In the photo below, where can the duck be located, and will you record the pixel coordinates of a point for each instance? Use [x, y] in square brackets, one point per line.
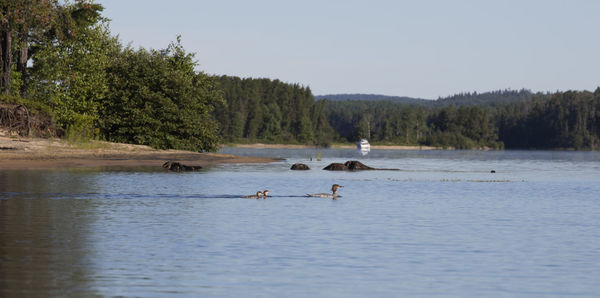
[258, 195]
[333, 195]
[266, 193]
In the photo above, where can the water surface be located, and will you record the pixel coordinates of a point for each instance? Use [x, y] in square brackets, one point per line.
[440, 225]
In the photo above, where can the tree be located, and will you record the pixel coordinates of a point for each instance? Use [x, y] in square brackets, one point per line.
[363, 127]
[28, 25]
[271, 111]
[71, 77]
[305, 132]
[271, 129]
[323, 132]
[156, 98]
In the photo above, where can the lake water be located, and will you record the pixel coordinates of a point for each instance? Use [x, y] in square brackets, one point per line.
[442, 225]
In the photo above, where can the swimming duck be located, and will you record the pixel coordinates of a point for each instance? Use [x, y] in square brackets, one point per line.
[333, 195]
[258, 195]
[266, 193]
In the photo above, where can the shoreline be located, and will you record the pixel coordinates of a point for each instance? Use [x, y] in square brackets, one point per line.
[289, 146]
[38, 153]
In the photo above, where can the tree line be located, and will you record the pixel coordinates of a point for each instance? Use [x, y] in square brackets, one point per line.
[389, 122]
[492, 98]
[272, 111]
[563, 120]
[499, 119]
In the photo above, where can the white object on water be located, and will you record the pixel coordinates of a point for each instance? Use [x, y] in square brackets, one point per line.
[363, 146]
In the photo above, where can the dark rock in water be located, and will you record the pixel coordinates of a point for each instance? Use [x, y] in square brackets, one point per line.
[492, 171]
[351, 165]
[179, 167]
[355, 165]
[336, 167]
[299, 167]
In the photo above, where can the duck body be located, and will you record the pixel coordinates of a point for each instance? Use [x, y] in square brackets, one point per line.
[258, 195]
[322, 195]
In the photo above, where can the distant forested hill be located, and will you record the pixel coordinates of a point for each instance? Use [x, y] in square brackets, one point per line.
[373, 97]
[492, 98]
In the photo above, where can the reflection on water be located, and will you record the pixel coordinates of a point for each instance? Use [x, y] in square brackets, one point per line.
[44, 243]
[442, 225]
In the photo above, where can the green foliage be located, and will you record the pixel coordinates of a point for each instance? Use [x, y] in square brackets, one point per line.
[464, 127]
[486, 99]
[28, 26]
[271, 129]
[446, 139]
[392, 122]
[71, 78]
[96, 89]
[156, 98]
[305, 132]
[380, 121]
[323, 132]
[565, 120]
[271, 111]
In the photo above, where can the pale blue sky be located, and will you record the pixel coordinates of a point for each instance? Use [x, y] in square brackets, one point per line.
[405, 48]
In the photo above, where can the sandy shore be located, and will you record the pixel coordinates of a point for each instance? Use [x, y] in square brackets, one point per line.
[284, 146]
[32, 153]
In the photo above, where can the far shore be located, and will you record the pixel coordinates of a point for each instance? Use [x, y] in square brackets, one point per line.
[335, 146]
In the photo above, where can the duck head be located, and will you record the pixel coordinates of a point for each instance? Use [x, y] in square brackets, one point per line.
[335, 187]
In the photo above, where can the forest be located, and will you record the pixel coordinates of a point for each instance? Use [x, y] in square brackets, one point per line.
[502, 119]
[77, 81]
[498, 119]
[271, 111]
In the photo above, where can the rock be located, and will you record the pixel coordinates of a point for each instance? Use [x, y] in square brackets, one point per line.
[351, 165]
[299, 167]
[355, 165]
[179, 167]
[336, 167]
